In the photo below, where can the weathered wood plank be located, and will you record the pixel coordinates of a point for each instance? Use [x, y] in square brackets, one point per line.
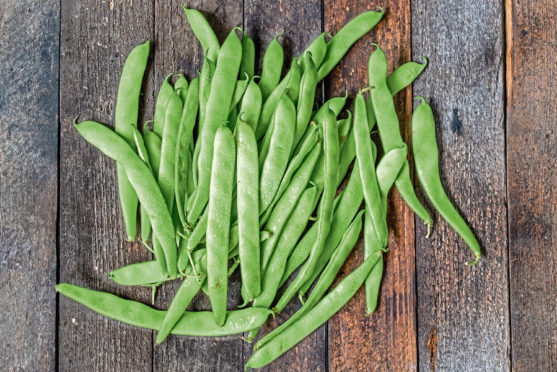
[177, 50]
[96, 38]
[300, 23]
[386, 340]
[463, 316]
[532, 180]
[28, 183]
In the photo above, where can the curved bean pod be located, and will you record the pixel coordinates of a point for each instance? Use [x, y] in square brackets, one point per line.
[273, 60]
[426, 156]
[218, 223]
[126, 113]
[318, 49]
[204, 32]
[239, 90]
[222, 89]
[247, 186]
[313, 319]
[165, 92]
[199, 323]
[389, 130]
[345, 38]
[143, 183]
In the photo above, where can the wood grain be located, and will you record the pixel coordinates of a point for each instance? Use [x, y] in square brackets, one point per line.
[97, 37]
[28, 183]
[463, 315]
[178, 51]
[387, 340]
[532, 181]
[300, 23]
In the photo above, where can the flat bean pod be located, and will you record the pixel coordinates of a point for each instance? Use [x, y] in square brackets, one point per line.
[273, 59]
[368, 176]
[318, 49]
[426, 157]
[143, 183]
[345, 38]
[185, 137]
[153, 147]
[247, 186]
[239, 90]
[313, 319]
[165, 92]
[389, 131]
[372, 248]
[199, 323]
[308, 84]
[218, 223]
[125, 114]
[222, 89]
[250, 107]
[277, 158]
[247, 66]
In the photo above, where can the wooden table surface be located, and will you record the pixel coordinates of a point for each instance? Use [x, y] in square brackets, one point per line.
[492, 81]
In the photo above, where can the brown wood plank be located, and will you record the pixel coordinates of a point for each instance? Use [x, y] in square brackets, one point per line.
[463, 316]
[387, 340]
[96, 39]
[300, 23]
[177, 50]
[531, 182]
[28, 183]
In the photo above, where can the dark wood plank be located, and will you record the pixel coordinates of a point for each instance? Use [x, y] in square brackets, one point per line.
[96, 38]
[28, 183]
[177, 50]
[463, 316]
[532, 180]
[300, 23]
[387, 340]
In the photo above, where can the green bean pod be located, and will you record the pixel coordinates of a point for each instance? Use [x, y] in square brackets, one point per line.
[239, 90]
[247, 186]
[318, 49]
[199, 323]
[185, 137]
[426, 157]
[141, 150]
[181, 87]
[291, 80]
[389, 131]
[250, 107]
[313, 319]
[204, 32]
[365, 157]
[126, 113]
[286, 204]
[344, 127]
[331, 154]
[345, 38]
[247, 66]
[218, 223]
[276, 160]
[153, 147]
[372, 248]
[222, 89]
[273, 59]
[165, 92]
[308, 84]
[305, 148]
[338, 258]
[141, 273]
[143, 183]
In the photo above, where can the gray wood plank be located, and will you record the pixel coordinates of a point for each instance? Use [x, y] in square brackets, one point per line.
[96, 39]
[177, 50]
[532, 181]
[300, 23]
[28, 183]
[463, 315]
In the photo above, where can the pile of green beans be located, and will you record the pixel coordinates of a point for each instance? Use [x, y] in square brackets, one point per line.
[245, 171]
